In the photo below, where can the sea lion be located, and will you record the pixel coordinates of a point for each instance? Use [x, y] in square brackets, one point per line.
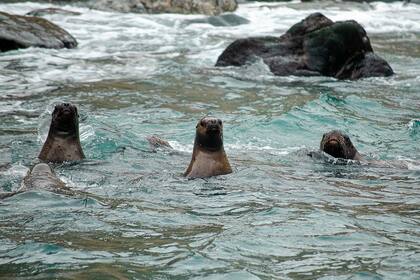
[41, 176]
[339, 145]
[63, 142]
[209, 156]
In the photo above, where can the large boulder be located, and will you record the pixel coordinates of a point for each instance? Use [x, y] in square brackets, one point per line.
[207, 7]
[228, 19]
[24, 31]
[51, 11]
[314, 46]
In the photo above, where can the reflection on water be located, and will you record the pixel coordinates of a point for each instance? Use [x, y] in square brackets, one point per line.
[281, 214]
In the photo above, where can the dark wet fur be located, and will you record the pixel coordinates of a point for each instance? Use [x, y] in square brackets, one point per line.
[65, 118]
[63, 142]
[212, 139]
[339, 145]
[209, 157]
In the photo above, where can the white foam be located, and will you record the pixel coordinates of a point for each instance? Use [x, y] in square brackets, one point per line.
[181, 147]
[413, 166]
[134, 46]
[413, 124]
[266, 148]
[17, 170]
[380, 18]
[240, 147]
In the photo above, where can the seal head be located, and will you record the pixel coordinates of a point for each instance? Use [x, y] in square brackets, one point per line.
[339, 145]
[42, 176]
[209, 134]
[209, 156]
[63, 142]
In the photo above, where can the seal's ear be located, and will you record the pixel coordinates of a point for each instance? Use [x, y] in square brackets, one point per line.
[54, 112]
[347, 139]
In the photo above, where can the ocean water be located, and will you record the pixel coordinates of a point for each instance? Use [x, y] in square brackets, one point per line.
[280, 215]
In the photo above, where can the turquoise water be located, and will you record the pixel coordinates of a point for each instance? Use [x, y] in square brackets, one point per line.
[280, 215]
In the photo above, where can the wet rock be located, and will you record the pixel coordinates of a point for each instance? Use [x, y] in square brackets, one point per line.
[52, 11]
[314, 46]
[23, 32]
[207, 7]
[386, 1]
[123, 6]
[222, 20]
[367, 65]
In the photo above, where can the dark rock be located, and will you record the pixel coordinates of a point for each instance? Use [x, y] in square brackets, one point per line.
[327, 49]
[52, 11]
[242, 51]
[222, 20]
[369, 65]
[23, 32]
[314, 46]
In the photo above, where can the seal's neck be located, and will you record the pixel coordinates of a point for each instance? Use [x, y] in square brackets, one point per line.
[72, 133]
[63, 134]
[209, 143]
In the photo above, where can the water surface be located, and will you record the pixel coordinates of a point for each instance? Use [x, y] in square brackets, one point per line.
[281, 214]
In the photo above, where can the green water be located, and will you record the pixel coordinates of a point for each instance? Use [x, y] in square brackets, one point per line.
[280, 215]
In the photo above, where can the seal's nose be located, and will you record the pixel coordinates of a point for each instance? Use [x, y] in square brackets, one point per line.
[214, 124]
[66, 104]
[333, 148]
[333, 143]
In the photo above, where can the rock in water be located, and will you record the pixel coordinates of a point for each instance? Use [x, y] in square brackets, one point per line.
[23, 32]
[207, 7]
[314, 46]
[123, 6]
[221, 20]
[52, 11]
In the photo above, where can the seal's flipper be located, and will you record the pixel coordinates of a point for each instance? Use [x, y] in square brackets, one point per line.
[156, 142]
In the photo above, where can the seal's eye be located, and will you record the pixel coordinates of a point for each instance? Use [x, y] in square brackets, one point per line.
[219, 122]
[365, 40]
[202, 123]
